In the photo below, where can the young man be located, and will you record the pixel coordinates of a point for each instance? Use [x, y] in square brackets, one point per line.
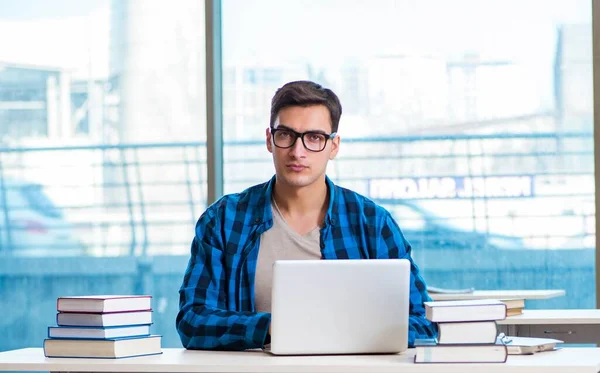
[298, 214]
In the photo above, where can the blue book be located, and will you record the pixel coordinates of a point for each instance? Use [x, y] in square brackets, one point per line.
[94, 332]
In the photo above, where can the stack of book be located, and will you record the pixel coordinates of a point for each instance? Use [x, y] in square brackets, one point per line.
[467, 332]
[102, 326]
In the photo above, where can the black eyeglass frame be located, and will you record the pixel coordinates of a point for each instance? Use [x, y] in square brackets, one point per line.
[301, 135]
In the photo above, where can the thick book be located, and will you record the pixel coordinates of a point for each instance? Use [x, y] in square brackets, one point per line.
[105, 348]
[465, 310]
[476, 332]
[94, 332]
[104, 319]
[104, 303]
[427, 351]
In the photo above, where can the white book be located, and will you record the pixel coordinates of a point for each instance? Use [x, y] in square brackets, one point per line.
[103, 348]
[467, 332]
[104, 319]
[94, 332]
[481, 353]
[465, 310]
[527, 345]
[104, 303]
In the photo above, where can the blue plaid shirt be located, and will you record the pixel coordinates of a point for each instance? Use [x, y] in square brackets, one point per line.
[216, 305]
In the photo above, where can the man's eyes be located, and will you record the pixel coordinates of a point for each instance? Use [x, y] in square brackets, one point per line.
[309, 135]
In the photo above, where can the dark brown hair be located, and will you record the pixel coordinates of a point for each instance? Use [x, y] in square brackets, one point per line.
[306, 93]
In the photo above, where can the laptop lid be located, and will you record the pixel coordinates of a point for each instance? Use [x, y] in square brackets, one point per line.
[340, 306]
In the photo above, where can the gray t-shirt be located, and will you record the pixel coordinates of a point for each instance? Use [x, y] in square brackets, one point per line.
[281, 242]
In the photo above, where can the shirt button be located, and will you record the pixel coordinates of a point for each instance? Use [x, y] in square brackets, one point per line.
[333, 221]
[322, 246]
[257, 220]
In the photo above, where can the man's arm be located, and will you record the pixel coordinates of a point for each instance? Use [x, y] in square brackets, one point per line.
[203, 321]
[397, 247]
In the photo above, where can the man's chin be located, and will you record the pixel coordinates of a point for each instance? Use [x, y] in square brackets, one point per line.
[297, 181]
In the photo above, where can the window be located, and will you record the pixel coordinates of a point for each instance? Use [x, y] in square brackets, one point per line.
[476, 116]
[470, 121]
[102, 154]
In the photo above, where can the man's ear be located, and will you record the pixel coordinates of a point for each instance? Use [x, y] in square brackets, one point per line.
[335, 147]
[269, 143]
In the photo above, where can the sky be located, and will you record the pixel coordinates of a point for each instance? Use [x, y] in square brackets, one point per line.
[68, 34]
[74, 34]
[325, 29]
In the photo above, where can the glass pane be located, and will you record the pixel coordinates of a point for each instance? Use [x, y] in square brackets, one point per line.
[477, 113]
[102, 155]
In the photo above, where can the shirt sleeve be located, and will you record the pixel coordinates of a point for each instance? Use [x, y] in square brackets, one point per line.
[203, 321]
[396, 246]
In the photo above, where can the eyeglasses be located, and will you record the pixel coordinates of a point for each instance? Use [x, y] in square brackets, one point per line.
[314, 141]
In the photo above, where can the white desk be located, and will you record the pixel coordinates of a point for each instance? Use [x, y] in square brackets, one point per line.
[501, 294]
[571, 326]
[571, 360]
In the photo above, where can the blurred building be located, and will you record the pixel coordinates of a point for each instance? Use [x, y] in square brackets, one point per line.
[157, 70]
[41, 105]
[35, 102]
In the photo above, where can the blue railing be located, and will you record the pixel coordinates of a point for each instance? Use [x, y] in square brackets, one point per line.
[144, 199]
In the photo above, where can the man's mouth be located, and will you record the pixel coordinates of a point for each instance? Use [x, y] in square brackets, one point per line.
[296, 167]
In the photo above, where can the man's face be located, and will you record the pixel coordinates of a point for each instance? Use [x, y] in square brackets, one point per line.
[297, 166]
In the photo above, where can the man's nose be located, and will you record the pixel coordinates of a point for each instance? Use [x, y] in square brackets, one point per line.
[298, 150]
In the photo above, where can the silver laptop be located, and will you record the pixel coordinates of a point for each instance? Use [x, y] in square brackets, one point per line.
[339, 306]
